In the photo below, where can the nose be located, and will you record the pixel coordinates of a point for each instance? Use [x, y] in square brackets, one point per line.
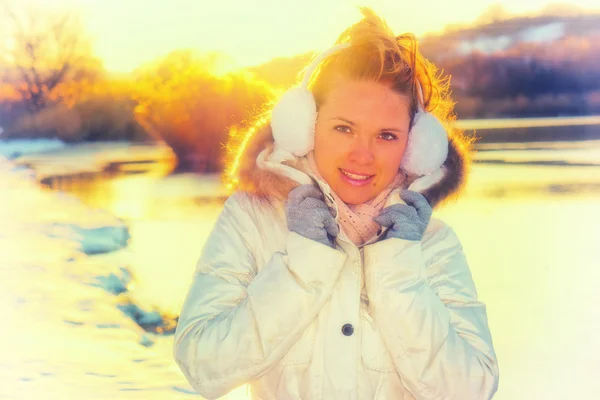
[361, 152]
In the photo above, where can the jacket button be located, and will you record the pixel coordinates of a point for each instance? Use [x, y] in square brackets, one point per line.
[348, 329]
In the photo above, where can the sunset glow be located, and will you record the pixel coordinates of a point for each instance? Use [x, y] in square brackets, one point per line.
[128, 33]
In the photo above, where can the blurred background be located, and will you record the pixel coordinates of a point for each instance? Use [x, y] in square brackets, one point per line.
[114, 117]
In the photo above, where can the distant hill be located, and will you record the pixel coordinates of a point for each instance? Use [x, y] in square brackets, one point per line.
[522, 67]
[503, 35]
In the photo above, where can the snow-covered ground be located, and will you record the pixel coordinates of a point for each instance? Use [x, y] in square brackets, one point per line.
[74, 279]
[65, 277]
[52, 157]
[544, 33]
[16, 148]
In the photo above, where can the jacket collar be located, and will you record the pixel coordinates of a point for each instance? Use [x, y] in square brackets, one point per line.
[273, 187]
[393, 198]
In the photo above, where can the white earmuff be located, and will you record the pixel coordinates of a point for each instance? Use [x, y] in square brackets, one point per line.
[294, 116]
[293, 122]
[427, 146]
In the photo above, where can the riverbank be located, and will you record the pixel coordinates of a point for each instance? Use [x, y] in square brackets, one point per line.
[64, 334]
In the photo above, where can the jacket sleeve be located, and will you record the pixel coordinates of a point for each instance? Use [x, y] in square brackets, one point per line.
[424, 302]
[235, 323]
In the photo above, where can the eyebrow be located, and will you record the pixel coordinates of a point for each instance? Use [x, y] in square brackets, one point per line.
[353, 124]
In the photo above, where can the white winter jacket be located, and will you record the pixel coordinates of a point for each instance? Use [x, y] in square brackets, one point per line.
[281, 312]
[295, 319]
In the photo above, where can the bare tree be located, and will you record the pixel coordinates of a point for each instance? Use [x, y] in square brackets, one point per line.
[44, 50]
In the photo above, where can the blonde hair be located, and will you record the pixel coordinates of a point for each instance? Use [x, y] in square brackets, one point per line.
[375, 54]
[378, 55]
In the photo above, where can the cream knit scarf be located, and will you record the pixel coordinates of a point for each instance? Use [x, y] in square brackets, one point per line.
[357, 220]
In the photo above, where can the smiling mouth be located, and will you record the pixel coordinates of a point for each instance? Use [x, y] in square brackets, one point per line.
[355, 176]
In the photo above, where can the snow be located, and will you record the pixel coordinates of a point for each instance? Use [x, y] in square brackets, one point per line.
[86, 158]
[77, 283]
[485, 44]
[544, 33]
[103, 239]
[67, 326]
[16, 148]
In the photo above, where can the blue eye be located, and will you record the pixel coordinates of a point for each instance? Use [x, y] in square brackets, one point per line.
[337, 128]
[389, 136]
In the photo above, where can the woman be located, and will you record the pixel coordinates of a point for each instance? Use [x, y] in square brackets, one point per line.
[325, 275]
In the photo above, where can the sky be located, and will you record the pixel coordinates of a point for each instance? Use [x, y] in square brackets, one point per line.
[127, 33]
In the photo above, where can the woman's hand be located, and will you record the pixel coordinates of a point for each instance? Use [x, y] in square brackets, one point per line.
[308, 215]
[406, 221]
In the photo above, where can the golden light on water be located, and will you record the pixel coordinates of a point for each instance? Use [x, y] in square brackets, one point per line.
[528, 231]
[507, 123]
[528, 226]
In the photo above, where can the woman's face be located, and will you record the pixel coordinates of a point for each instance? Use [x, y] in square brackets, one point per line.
[360, 138]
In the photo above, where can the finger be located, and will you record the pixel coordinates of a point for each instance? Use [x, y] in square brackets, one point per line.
[400, 209]
[413, 198]
[396, 219]
[331, 226]
[303, 191]
[419, 202]
[310, 203]
[401, 219]
[384, 219]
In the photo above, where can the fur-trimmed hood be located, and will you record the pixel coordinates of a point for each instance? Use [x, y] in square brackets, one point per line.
[272, 187]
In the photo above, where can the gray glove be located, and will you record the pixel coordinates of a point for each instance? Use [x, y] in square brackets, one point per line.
[308, 215]
[406, 221]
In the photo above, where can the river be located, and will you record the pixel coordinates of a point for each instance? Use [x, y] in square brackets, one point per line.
[528, 220]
